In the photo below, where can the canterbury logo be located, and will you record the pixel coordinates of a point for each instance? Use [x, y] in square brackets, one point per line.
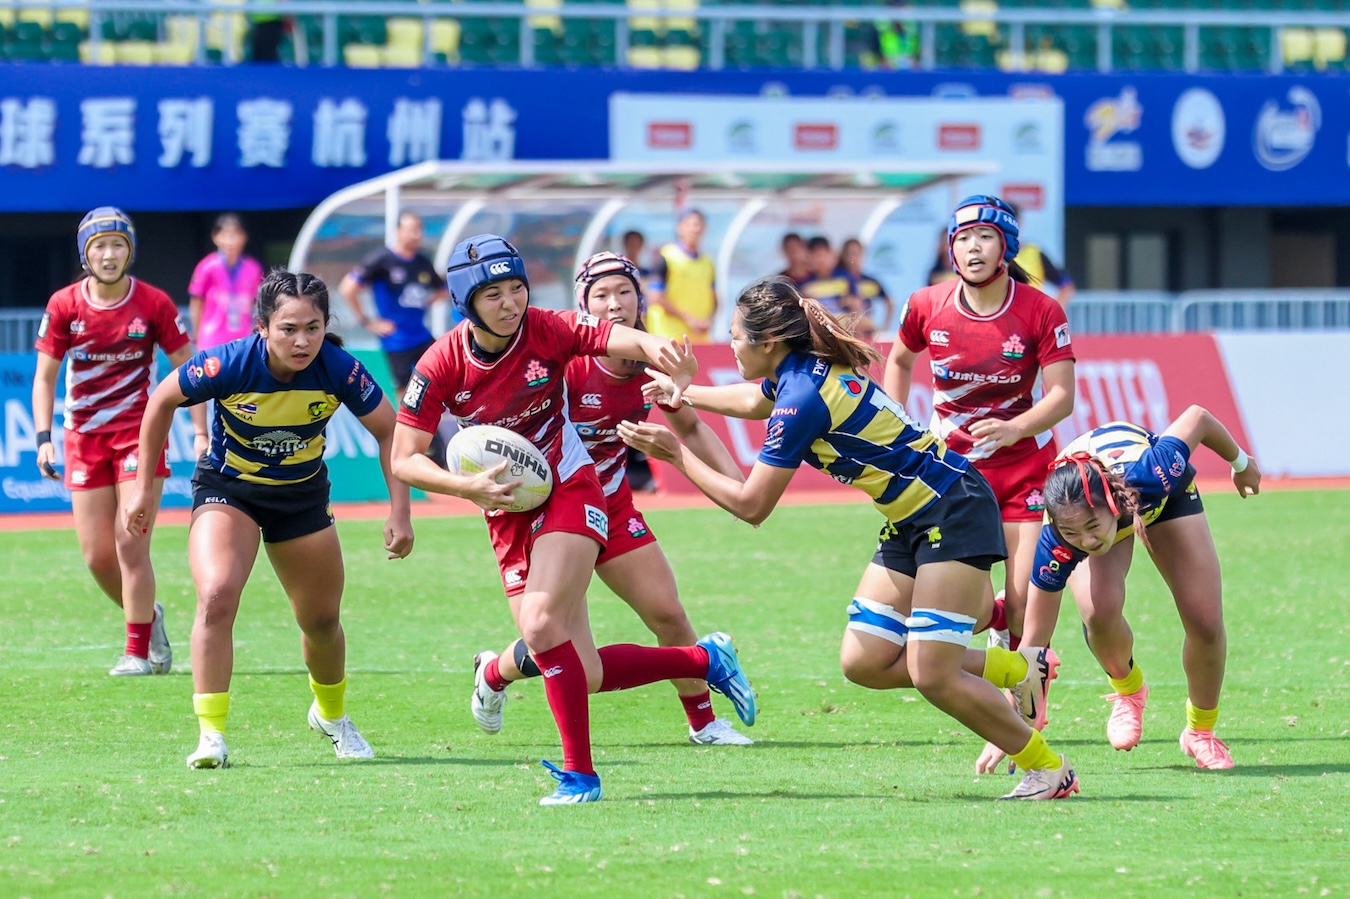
[553, 672]
[499, 268]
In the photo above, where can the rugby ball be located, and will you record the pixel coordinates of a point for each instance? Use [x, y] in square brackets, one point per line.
[480, 447]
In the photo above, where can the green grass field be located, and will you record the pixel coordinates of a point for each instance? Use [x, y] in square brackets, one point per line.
[848, 792]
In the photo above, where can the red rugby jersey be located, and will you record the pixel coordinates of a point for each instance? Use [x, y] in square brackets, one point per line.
[598, 399]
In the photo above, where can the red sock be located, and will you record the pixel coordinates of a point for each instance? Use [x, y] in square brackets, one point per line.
[565, 687]
[492, 674]
[138, 639]
[628, 665]
[698, 709]
[999, 621]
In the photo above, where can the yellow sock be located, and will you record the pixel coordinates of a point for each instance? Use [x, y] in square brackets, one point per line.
[211, 709]
[1036, 754]
[331, 697]
[1201, 719]
[1130, 683]
[1004, 668]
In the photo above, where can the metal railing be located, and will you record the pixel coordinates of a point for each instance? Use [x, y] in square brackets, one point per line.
[713, 21]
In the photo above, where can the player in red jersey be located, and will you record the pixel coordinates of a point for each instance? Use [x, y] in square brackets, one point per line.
[601, 392]
[1003, 376]
[504, 365]
[108, 324]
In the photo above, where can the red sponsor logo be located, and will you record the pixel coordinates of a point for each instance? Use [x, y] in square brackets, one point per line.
[815, 136]
[958, 137]
[211, 366]
[1061, 553]
[1026, 196]
[670, 135]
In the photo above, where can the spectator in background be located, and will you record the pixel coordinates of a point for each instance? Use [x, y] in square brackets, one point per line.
[893, 44]
[682, 284]
[224, 287]
[942, 262]
[1043, 271]
[827, 282]
[868, 289]
[794, 253]
[265, 34]
[633, 244]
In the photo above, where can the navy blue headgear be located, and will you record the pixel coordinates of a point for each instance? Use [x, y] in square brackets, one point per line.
[984, 209]
[101, 221]
[477, 262]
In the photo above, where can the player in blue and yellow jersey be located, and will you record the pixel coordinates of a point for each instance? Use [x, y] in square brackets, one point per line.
[911, 619]
[264, 479]
[1109, 485]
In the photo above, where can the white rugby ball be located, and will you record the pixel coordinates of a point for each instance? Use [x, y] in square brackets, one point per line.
[480, 447]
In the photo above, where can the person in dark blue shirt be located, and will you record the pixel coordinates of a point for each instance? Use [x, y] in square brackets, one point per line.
[918, 602]
[264, 480]
[1111, 484]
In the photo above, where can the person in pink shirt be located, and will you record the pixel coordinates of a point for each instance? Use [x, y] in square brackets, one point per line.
[224, 287]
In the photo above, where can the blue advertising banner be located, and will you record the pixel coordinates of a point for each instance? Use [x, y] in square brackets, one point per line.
[270, 137]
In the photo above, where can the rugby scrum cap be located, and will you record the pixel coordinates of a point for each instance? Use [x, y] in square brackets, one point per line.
[477, 262]
[104, 220]
[983, 209]
[602, 265]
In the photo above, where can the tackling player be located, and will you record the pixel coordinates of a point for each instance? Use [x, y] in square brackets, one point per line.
[601, 392]
[504, 365]
[264, 480]
[910, 622]
[1003, 376]
[1109, 485]
[109, 325]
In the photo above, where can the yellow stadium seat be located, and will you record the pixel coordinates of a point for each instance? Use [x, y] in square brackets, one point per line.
[974, 25]
[401, 57]
[75, 15]
[104, 57]
[6, 16]
[135, 53]
[1051, 60]
[646, 22]
[406, 33]
[646, 57]
[171, 54]
[1296, 46]
[445, 37]
[181, 31]
[684, 59]
[39, 16]
[361, 56]
[546, 22]
[1328, 47]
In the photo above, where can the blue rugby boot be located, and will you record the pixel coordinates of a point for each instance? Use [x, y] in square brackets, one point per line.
[726, 677]
[573, 786]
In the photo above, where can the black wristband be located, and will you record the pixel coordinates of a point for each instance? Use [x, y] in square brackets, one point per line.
[44, 437]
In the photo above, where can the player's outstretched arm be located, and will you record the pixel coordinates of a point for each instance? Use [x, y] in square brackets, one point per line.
[703, 441]
[674, 358]
[1198, 427]
[743, 400]
[398, 529]
[409, 463]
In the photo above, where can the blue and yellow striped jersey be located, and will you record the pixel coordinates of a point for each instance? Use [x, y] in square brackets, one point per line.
[1157, 468]
[844, 424]
[268, 431]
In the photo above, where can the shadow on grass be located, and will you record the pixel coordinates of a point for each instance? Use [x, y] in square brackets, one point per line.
[767, 794]
[1309, 770]
[387, 760]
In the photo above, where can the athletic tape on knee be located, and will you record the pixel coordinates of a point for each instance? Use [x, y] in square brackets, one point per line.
[524, 661]
[877, 619]
[946, 627]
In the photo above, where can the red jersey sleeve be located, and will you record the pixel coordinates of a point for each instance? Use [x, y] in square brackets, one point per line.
[912, 332]
[53, 337]
[424, 399]
[171, 331]
[586, 334]
[1054, 342]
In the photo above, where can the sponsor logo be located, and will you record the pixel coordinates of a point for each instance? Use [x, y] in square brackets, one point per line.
[499, 268]
[773, 435]
[463, 396]
[783, 411]
[1062, 338]
[513, 578]
[1027, 138]
[194, 374]
[179, 323]
[670, 135]
[537, 523]
[820, 367]
[318, 408]
[1178, 464]
[886, 137]
[1284, 137]
[1062, 553]
[841, 478]
[510, 422]
[636, 528]
[136, 330]
[1013, 348]
[934, 536]
[76, 327]
[367, 387]
[1028, 196]
[80, 355]
[815, 136]
[1035, 501]
[47, 320]
[1162, 478]
[415, 392]
[959, 137]
[521, 460]
[216, 499]
[741, 137]
[939, 338]
[79, 477]
[1198, 128]
[942, 371]
[247, 408]
[356, 370]
[587, 320]
[278, 443]
[130, 463]
[535, 374]
[852, 386]
[554, 671]
[597, 520]
[1106, 118]
[211, 366]
[590, 399]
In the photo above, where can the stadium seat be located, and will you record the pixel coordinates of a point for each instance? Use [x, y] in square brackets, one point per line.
[551, 23]
[445, 38]
[1328, 48]
[1296, 47]
[361, 56]
[401, 57]
[405, 32]
[105, 55]
[134, 52]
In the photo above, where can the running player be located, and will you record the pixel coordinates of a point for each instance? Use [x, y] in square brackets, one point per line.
[601, 392]
[264, 479]
[1109, 485]
[1003, 376]
[504, 366]
[916, 606]
[109, 324]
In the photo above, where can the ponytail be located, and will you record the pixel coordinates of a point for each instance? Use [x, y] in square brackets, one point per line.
[772, 310]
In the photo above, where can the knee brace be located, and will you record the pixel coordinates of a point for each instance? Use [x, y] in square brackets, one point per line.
[520, 654]
[945, 627]
[877, 619]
